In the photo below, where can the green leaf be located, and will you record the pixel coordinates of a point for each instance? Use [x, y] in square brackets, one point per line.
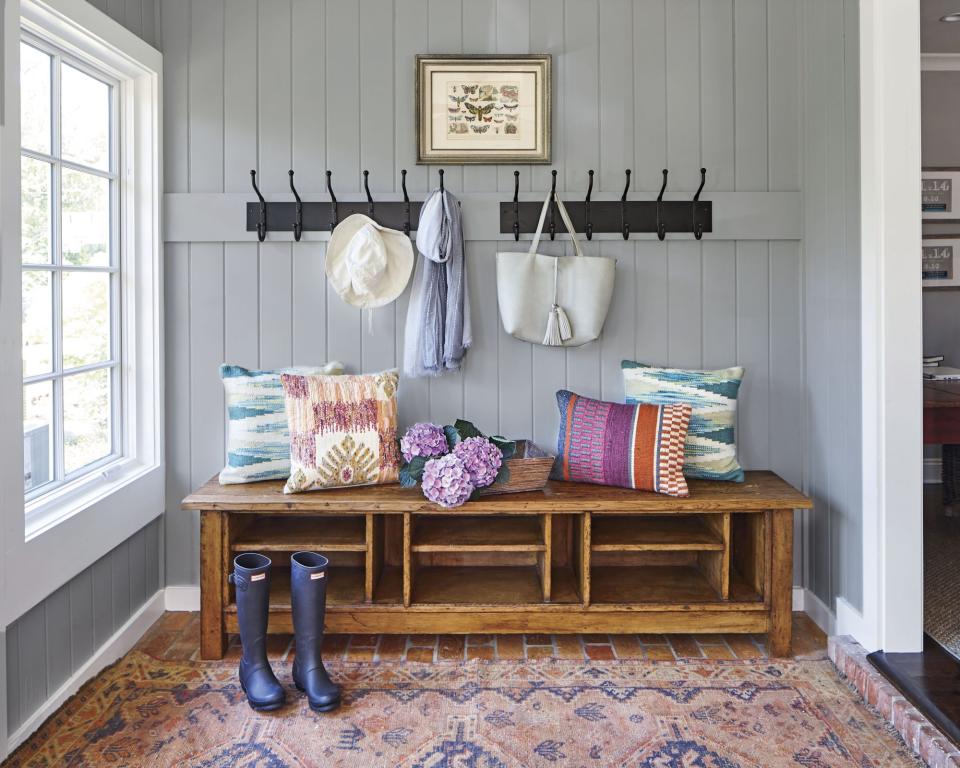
[453, 437]
[508, 448]
[503, 476]
[416, 465]
[411, 472]
[407, 480]
[466, 429]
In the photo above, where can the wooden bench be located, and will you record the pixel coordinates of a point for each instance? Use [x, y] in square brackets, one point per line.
[573, 558]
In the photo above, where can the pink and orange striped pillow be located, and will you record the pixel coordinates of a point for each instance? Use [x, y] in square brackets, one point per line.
[632, 446]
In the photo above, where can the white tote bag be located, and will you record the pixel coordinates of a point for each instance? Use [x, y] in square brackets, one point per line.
[554, 300]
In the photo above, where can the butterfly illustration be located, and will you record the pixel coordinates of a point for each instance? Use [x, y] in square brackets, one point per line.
[512, 118]
[468, 89]
[510, 128]
[487, 119]
[498, 120]
[483, 111]
[458, 99]
[509, 92]
[479, 128]
[453, 110]
[511, 106]
[469, 119]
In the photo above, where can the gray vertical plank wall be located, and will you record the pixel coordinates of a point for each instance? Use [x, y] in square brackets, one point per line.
[139, 16]
[640, 84]
[55, 638]
[831, 293]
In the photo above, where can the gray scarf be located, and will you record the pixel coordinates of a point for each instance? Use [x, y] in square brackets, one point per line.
[437, 333]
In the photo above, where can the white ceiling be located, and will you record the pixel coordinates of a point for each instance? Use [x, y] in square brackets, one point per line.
[935, 35]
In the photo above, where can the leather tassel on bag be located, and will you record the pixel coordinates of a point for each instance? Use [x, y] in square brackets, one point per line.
[563, 322]
[558, 327]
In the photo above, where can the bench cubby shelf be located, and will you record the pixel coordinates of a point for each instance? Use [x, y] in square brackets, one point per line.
[572, 558]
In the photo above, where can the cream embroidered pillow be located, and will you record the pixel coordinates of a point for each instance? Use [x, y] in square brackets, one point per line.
[343, 430]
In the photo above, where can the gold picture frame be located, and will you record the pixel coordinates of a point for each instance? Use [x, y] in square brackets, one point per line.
[483, 109]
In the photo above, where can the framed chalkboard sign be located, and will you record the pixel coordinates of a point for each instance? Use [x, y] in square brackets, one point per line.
[940, 194]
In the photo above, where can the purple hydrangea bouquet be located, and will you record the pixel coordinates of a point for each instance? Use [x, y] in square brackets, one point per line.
[454, 462]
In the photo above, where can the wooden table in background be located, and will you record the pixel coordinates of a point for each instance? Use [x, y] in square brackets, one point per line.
[941, 412]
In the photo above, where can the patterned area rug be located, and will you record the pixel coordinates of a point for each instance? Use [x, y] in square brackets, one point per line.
[702, 714]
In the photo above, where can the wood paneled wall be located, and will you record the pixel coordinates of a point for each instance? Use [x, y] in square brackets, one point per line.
[54, 639]
[644, 84]
[139, 16]
[831, 289]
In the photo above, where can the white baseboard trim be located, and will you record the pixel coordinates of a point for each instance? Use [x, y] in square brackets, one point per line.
[820, 612]
[850, 622]
[184, 597]
[119, 643]
[806, 601]
[932, 471]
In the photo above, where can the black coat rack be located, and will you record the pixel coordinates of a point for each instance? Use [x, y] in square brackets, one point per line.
[590, 216]
[299, 217]
[624, 216]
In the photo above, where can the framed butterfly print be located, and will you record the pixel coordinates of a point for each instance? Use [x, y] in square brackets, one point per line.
[483, 108]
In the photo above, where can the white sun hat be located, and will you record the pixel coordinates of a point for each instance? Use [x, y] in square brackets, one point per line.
[368, 265]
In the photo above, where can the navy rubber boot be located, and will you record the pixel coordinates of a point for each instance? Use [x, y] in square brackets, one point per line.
[308, 596]
[251, 577]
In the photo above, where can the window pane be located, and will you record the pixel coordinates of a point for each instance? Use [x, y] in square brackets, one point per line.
[86, 418]
[37, 322]
[35, 231]
[85, 227]
[85, 122]
[37, 434]
[34, 99]
[85, 302]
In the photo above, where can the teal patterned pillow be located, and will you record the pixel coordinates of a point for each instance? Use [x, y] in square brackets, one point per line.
[710, 452]
[258, 440]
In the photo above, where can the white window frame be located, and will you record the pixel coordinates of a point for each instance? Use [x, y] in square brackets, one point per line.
[75, 524]
[36, 497]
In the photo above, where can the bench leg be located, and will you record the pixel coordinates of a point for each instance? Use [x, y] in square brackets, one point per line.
[213, 637]
[781, 583]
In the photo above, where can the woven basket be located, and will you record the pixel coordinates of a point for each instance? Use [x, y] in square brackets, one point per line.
[529, 471]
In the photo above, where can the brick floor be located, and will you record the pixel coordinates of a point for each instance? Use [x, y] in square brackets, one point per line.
[850, 659]
[177, 636]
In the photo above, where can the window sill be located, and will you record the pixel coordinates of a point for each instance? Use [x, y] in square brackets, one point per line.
[75, 497]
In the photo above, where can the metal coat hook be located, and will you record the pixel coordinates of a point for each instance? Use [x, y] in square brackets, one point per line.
[441, 179]
[298, 222]
[516, 205]
[406, 202]
[262, 219]
[661, 226]
[698, 226]
[333, 203]
[366, 188]
[589, 226]
[625, 228]
[553, 206]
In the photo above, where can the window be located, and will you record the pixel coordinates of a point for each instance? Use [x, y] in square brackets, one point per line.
[70, 266]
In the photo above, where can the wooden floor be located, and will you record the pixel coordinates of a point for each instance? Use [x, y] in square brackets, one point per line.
[177, 636]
